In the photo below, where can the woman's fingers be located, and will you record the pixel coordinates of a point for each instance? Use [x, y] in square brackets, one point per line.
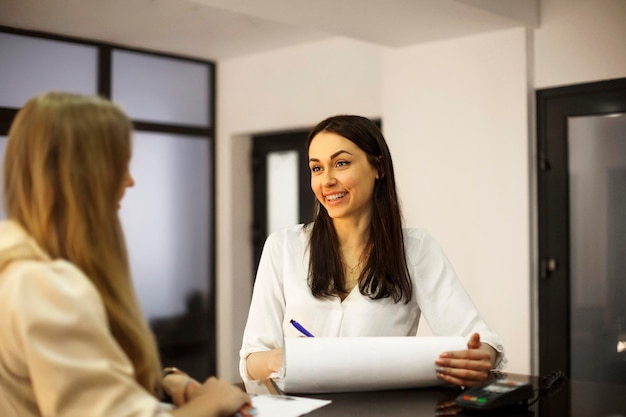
[180, 387]
[464, 367]
[230, 399]
[465, 358]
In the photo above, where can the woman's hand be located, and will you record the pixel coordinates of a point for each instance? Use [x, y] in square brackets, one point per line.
[180, 387]
[213, 398]
[466, 368]
[260, 365]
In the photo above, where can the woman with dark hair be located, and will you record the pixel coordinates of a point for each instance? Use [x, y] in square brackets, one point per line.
[74, 341]
[354, 271]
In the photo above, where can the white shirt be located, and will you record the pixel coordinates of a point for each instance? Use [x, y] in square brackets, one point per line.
[281, 293]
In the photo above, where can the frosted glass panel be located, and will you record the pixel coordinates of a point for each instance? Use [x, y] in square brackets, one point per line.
[161, 89]
[31, 66]
[3, 142]
[166, 220]
[597, 189]
[282, 190]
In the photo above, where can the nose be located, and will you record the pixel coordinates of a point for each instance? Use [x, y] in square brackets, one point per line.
[130, 181]
[329, 178]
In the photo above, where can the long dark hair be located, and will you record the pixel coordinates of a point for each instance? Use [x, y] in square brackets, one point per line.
[385, 273]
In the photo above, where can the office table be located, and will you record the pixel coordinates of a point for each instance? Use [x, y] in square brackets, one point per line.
[567, 399]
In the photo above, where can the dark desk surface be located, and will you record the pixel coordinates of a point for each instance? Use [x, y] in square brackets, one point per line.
[568, 399]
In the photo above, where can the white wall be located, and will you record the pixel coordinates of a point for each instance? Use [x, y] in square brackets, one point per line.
[580, 41]
[455, 117]
[290, 88]
[458, 116]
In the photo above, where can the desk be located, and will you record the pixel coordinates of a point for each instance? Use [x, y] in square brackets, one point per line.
[569, 399]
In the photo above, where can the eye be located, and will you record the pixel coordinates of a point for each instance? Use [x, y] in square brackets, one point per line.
[315, 168]
[343, 163]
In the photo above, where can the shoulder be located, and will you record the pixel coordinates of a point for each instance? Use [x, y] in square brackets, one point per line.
[31, 287]
[414, 237]
[292, 236]
[419, 243]
[59, 274]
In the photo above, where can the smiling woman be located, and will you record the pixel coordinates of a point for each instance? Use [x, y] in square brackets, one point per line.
[354, 271]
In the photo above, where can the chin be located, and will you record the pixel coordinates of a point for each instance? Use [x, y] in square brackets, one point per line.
[335, 214]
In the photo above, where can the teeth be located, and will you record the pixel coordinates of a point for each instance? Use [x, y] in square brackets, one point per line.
[335, 196]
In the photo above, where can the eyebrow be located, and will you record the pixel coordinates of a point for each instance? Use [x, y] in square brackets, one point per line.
[333, 156]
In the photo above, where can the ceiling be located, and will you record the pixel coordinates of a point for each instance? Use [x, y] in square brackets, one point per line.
[222, 29]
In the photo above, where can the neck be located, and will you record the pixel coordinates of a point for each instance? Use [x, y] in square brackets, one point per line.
[352, 234]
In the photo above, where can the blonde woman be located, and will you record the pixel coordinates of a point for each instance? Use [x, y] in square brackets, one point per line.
[74, 342]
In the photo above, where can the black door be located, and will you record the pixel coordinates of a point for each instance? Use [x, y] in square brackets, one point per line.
[582, 230]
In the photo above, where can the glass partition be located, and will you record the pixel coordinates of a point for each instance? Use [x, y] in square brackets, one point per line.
[597, 189]
[166, 221]
[42, 65]
[166, 90]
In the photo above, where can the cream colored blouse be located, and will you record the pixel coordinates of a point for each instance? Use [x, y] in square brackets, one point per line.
[57, 356]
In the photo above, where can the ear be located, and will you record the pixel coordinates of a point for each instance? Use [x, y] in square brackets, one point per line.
[380, 172]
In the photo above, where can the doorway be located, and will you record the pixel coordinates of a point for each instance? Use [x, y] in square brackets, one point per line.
[280, 180]
[581, 148]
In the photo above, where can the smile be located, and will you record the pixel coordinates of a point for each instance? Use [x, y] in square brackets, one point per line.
[334, 197]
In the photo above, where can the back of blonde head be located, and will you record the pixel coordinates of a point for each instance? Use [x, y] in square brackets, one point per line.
[65, 162]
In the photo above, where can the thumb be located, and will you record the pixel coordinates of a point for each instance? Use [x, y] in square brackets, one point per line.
[474, 342]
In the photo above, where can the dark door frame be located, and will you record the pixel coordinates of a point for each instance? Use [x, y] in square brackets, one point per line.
[262, 145]
[554, 106]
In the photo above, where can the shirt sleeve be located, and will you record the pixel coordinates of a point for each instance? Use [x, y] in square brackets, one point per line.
[58, 332]
[444, 302]
[263, 330]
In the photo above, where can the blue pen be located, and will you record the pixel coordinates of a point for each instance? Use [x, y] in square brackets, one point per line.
[300, 328]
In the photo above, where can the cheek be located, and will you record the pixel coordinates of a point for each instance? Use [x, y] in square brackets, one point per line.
[315, 187]
[349, 180]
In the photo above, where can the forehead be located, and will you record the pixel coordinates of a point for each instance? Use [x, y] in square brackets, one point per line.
[325, 144]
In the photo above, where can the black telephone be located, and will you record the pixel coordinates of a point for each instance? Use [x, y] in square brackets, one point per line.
[495, 394]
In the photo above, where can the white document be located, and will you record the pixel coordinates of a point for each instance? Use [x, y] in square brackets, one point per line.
[267, 405]
[343, 364]
[285, 406]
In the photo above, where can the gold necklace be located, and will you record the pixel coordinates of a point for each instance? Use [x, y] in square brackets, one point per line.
[351, 269]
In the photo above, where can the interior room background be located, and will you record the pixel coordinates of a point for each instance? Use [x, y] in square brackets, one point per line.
[459, 118]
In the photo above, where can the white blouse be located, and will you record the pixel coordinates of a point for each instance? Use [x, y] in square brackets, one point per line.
[281, 293]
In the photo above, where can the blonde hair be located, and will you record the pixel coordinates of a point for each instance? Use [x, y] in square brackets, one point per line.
[65, 162]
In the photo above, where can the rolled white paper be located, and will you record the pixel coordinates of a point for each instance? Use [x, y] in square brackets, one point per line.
[343, 364]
